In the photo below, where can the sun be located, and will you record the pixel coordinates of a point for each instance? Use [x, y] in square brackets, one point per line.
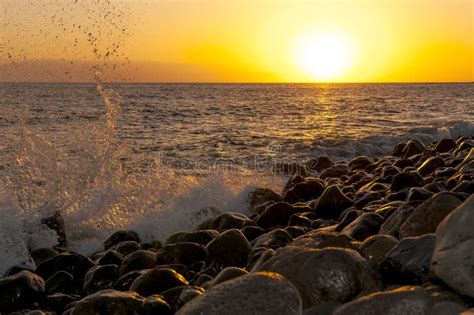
[323, 57]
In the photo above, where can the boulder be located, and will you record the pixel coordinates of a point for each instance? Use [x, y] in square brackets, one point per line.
[335, 171]
[138, 260]
[409, 261]
[304, 191]
[375, 247]
[366, 225]
[262, 195]
[412, 148]
[230, 248]
[430, 165]
[155, 304]
[61, 281]
[56, 223]
[445, 145]
[229, 220]
[360, 162]
[257, 293]
[100, 278]
[227, 274]
[332, 203]
[276, 214]
[324, 275]
[453, 258]
[157, 280]
[392, 224]
[41, 254]
[127, 247]
[401, 301]
[20, 291]
[185, 253]
[406, 180]
[121, 236]
[109, 302]
[426, 217]
[111, 257]
[76, 264]
[200, 237]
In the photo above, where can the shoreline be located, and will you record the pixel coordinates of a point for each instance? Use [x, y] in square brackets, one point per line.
[342, 237]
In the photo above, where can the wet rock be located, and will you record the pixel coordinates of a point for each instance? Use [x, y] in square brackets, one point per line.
[274, 239]
[324, 275]
[401, 301]
[19, 291]
[41, 254]
[109, 302]
[304, 191]
[418, 193]
[366, 198]
[185, 253]
[426, 217]
[299, 220]
[189, 293]
[127, 247]
[406, 180]
[275, 215]
[360, 162]
[157, 280]
[326, 308]
[262, 195]
[376, 247]
[111, 257]
[76, 264]
[229, 220]
[138, 260]
[445, 145]
[57, 302]
[465, 187]
[412, 148]
[455, 247]
[348, 217]
[227, 274]
[447, 308]
[56, 223]
[121, 236]
[155, 304]
[335, 171]
[61, 281]
[366, 225]
[295, 231]
[321, 163]
[100, 278]
[230, 248]
[252, 232]
[200, 237]
[125, 281]
[257, 293]
[430, 165]
[332, 203]
[409, 261]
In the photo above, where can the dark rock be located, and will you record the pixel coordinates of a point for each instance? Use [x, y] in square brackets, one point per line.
[465, 187]
[41, 254]
[111, 257]
[155, 304]
[138, 260]
[20, 291]
[406, 180]
[189, 293]
[321, 164]
[200, 237]
[227, 274]
[447, 308]
[100, 278]
[109, 302]
[366, 225]
[295, 179]
[157, 280]
[347, 217]
[274, 239]
[229, 220]
[127, 247]
[324, 275]
[332, 203]
[299, 220]
[76, 264]
[445, 145]
[56, 223]
[376, 247]
[360, 162]
[121, 236]
[61, 281]
[262, 195]
[366, 198]
[257, 293]
[326, 308]
[304, 191]
[401, 301]
[295, 231]
[430, 165]
[230, 248]
[426, 217]
[252, 232]
[418, 193]
[125, 281]
[392, 224]
[275, 215]
[409, 261]
[412, 148]
[58, 301]
[185, 253]
[453, 258]
[334, 171]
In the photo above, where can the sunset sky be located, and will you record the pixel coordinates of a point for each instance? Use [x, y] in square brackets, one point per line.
[239, 40]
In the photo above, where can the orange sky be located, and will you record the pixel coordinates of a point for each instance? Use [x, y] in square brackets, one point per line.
[238, 40]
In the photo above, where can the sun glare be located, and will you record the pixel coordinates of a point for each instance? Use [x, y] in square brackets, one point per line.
[323, 57]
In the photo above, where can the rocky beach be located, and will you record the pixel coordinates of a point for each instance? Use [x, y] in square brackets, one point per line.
[373, 235]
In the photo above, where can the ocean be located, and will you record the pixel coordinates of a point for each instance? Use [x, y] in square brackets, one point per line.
[160, 158]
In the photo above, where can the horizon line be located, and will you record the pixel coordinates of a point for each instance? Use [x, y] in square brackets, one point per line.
[236, 82]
